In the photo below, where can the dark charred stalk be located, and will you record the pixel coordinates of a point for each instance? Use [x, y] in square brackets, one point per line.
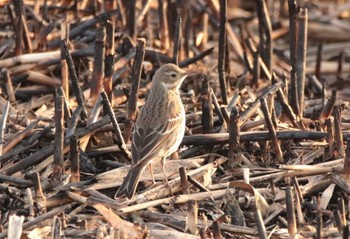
[272, 130]
[338, 132]
[57, 166]
[265, 30]
[328, 107]
[18, 4]
[346, 169]
[184, 181]
[301, 57]
[234, 153]
[130, 6]
[207, 112]
[217, 107]
[40, 198]
[109, 60]
[177, 40]
[74, 78]
[133, 96]
[319, 61]
[8, 85]
[222, 50]
[256, 68]
[196, 58]
[74, 160]
[163, 24]
[287, 110]
[292, 6]
[99, 64]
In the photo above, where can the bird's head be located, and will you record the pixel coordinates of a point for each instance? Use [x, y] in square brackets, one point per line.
[170, 76]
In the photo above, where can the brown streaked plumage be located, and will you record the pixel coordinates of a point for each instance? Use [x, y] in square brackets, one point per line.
[159, 128]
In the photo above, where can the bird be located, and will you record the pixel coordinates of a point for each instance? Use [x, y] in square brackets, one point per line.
[159, 128]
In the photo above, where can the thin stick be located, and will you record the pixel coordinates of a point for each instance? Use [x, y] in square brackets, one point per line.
[196, 58]
[298, 207]
[74, 78]
[5, 112]
[163, 24]
[337, 219]
[287, 110]
[272, 130]
[340, 67]
[26, 34]
[341, 208]
[217, 107]
[265, 31]
[120, 139]
[73, 123]
[177, 40]
[301, 57]
[63, 61]
[346, 170]
[57, 167]
[338, 132]
[292, 6]
[109, 60]
[250, 45]
[256, 68]
[255, 105]
[39, 194]
[133, 96]
[329, 149]
[30, 202]
[318, 61]
[8, 85]
[18, 4]
[222, 50]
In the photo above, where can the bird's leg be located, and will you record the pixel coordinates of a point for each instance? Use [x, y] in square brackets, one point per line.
[166, 177]
[151, 172]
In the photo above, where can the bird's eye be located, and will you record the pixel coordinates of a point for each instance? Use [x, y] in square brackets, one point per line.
[173, 75]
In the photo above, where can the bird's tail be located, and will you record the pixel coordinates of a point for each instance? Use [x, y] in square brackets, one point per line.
[130, 182]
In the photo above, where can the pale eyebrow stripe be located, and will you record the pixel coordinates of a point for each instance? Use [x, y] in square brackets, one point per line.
[169, 72]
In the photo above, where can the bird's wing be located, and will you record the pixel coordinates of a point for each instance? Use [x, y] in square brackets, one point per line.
[149, 142]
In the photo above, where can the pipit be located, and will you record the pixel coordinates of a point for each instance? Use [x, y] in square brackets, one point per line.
[160, 127]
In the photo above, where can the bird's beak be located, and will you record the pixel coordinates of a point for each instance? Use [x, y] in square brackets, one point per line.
[183, 75]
